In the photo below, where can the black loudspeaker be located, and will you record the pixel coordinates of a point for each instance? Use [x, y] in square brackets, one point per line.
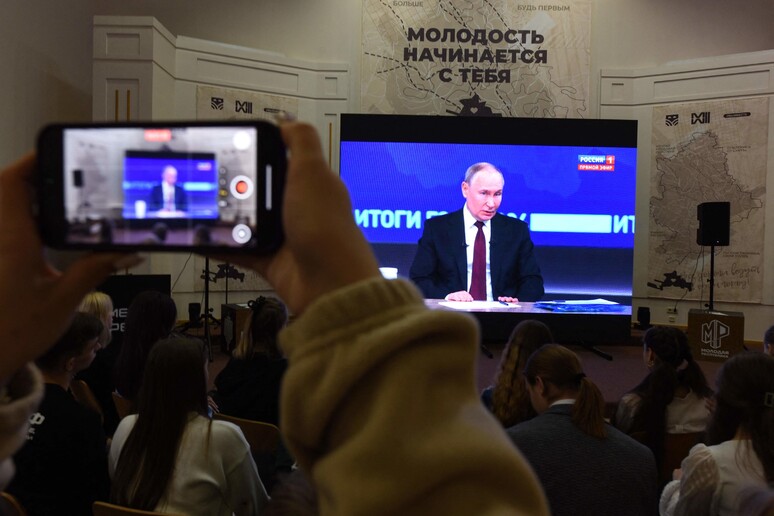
[194, 312]
[643, 317]
[714, 223]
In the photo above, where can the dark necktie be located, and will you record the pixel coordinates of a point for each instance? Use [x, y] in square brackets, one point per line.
[478, 277]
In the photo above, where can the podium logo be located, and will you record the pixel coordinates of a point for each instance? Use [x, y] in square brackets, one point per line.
[713, 332]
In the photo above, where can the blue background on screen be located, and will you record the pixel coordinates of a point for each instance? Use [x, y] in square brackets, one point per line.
[197, 176]
[538, 179]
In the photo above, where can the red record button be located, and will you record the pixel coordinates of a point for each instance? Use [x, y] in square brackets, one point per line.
[241, 187]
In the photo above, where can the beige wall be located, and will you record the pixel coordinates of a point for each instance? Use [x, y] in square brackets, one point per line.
[46, 45]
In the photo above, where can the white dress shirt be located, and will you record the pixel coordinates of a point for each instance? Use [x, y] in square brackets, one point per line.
[169, 195]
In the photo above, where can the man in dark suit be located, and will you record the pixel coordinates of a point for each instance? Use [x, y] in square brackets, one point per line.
[168, 196]
[442, 267]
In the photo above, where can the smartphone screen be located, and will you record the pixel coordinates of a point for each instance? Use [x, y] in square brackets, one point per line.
[165, 187]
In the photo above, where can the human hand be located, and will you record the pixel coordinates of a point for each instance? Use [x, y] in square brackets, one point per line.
[38, 301]
[460, 295]
[324, 249]
[506, 299]
[211, 403]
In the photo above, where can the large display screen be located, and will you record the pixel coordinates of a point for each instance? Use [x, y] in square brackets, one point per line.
[571, 180]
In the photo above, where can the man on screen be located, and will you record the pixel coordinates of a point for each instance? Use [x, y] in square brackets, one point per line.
[502, 266]
[168, 197]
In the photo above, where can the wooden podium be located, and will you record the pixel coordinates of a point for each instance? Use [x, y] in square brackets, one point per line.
[715, 336]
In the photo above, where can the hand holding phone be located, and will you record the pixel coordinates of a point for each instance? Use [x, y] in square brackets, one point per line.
[171, 186]
[324, 250]
[38, 301]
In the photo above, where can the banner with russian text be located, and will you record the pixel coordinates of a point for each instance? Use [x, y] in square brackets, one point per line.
[495, 58]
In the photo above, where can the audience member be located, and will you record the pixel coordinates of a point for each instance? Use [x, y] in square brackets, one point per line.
[170, 457]
[249, 385]
[294, 495]
[362, 352]
[585, 465]
[756, 501]
[32, 291]
[507, 397]
[99, 375]
[62, 468]
[740, 437]
[151, 317]
[368, 367]
[672, 397]
[768, 341]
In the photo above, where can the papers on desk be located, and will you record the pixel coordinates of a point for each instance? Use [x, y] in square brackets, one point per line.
[476, 305]
[581, 305]
[597, 301]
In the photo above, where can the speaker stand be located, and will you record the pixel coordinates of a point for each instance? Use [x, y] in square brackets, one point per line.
[207, 316]
[711, 304]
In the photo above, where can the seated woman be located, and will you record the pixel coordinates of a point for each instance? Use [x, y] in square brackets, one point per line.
[755, 501]
[62, 468]
[151, 316]
[585, 466]
[740, 434]
[170, 457]
[99, 375]
[673, 396]
[248, 387]
[507, 396]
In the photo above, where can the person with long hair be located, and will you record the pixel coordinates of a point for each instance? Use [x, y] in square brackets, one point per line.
[99, 375]
[151, 317]
[249, 385]
[585, 465]
[672, 398]
[740, 443]
[170, 457]
[507, 397]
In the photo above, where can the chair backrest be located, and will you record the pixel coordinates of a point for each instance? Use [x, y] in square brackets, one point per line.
[676, 448]
[262, 437]
[109, 509]
[264, 441]
[85, 396]
[10, 506]
[124, 406]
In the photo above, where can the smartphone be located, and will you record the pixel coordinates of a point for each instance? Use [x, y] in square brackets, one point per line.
[214, 187]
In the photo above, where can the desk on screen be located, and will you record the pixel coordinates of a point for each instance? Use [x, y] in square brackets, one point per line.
[497, 322]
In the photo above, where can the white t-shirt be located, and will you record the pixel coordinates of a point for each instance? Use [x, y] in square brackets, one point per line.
[214, 480]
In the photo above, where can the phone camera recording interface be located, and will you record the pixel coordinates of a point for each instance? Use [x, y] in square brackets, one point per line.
[177, 187]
